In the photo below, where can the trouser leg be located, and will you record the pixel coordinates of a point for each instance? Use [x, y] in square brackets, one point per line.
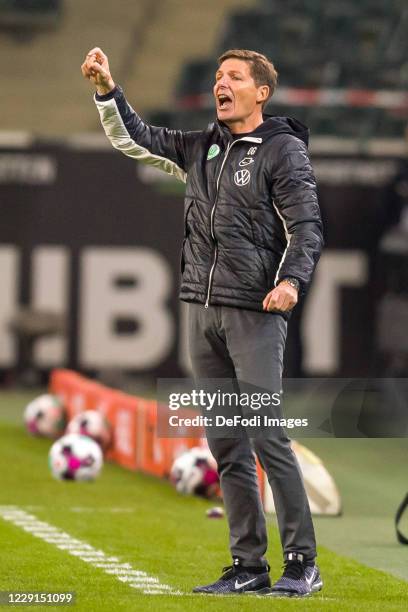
[239, 485]
[292, 507]
[255, 343]
[234, 456]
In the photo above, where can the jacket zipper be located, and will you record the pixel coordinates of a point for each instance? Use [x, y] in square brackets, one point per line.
[210, 278]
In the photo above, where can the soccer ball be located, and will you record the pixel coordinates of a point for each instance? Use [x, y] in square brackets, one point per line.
[93, 424]
[75, 457]
[45, 416]
[195, 473]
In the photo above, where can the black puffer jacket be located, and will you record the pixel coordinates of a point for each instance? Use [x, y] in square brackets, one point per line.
[251, 214]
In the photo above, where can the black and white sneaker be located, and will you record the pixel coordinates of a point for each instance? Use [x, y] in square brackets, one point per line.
[297, 580]
[238, 579]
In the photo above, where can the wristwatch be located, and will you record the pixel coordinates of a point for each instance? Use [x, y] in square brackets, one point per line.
[291, 281]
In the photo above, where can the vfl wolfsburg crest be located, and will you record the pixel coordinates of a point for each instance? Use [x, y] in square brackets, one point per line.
[213, 151]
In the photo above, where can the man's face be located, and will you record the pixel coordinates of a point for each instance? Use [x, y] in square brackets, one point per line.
[235, 92]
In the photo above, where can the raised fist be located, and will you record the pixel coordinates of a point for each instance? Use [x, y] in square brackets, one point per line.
[96, 69]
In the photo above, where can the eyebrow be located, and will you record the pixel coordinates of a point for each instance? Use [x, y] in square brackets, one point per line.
[229, 72]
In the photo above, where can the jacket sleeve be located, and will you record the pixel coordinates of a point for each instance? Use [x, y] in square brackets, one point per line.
[295, 201]
[168, 150]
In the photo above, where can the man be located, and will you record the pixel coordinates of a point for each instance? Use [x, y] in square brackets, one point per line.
[252, 239]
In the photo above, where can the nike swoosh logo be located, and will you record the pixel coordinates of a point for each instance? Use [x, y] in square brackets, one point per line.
[312, 577]
[239, 585]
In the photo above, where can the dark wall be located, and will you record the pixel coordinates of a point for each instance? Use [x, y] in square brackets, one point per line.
[55, 195]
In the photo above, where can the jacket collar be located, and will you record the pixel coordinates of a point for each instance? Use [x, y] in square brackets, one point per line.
[271, 126]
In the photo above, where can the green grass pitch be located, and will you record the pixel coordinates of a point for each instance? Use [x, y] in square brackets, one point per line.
[143, 521]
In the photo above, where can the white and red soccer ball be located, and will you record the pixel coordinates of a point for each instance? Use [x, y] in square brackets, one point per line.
[195, 473]
[93, 424]
[75, 457]
[45, 416]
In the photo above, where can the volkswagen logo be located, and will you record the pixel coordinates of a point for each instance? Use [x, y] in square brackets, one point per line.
[242, 177]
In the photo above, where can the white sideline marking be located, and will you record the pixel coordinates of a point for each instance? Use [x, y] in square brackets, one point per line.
[130, 572]
[111, 565]
[136, 579]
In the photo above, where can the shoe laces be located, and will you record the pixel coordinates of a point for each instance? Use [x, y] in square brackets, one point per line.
[293, 569]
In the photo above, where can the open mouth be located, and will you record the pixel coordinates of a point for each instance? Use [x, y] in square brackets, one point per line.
[224, 101]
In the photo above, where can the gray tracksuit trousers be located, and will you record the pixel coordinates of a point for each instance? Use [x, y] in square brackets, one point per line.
[227, 342]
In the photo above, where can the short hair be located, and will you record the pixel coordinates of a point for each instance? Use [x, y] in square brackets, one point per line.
[262, 70]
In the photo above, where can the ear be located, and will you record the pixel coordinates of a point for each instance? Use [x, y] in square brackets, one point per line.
[262, 93]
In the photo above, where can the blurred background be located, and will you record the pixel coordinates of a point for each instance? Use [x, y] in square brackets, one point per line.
[89, 252]
[90, 240]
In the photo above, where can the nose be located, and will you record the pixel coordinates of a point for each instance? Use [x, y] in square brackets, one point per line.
[223, 81]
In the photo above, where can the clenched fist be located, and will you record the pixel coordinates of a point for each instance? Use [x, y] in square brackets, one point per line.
[96, 69]
[283, 298]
